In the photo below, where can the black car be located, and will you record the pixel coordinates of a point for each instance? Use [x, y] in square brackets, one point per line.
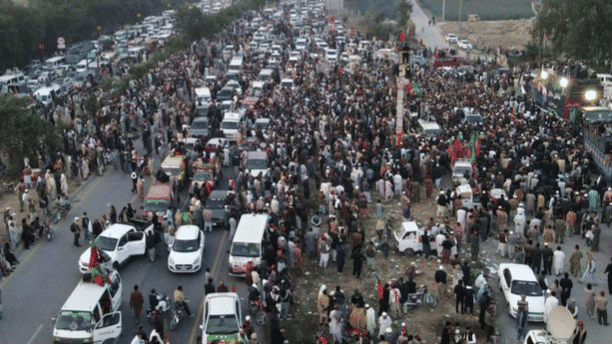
[225, 94]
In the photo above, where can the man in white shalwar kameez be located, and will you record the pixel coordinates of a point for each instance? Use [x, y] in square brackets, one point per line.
[370, 319]
[558, 261]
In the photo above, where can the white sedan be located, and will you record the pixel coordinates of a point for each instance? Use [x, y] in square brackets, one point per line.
[464, 44]
[516, 280]
[451, 38]
[187, 250]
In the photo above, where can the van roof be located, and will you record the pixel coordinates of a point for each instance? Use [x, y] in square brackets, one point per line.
[231, 116]
[85, 296]
[202, 91]
[429, 125]
[172, 162]
[265, 71]
[222, 303]
[159, 191]
[257, 155]
[251, 228]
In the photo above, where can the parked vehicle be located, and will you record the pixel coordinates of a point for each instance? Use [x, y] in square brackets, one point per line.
[516, 280]
[222, 318]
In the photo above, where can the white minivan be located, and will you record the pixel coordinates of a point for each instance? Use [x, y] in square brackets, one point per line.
[230, 126]
[247, 244]
[91, 313]
[203, 97]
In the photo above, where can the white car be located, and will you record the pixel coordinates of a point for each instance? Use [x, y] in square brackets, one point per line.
[464, 44]
[119, 242]
[331, 55]
[187, 250]
[222, 318]
[518, 279]
[451, 38]
[288, 83]
[408, 238]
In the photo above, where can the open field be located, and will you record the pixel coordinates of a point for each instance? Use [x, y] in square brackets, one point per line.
[486, 9]
[505, 33]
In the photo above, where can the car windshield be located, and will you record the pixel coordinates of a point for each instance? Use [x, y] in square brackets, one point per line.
[245, 249]
[73, 320]
[287, 84]
[185, 246]
[215, 204]
[106, 243]
[462, 170]
[473, 118]
[199, 125]
[156, 205]
[222, 324]
[202, 176]
[229, 125]
[520, 287]
[172, 171]
[258, 164]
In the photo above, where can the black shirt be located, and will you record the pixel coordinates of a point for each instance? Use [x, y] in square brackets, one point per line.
[567, 285]
[440, 276]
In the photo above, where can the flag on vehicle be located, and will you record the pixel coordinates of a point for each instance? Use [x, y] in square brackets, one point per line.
[340, 69]
[402, 36]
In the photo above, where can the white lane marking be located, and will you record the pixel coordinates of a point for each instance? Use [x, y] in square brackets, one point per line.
[35, 333]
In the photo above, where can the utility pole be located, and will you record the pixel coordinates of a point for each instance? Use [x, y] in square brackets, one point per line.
[460, 22]
[443, 10]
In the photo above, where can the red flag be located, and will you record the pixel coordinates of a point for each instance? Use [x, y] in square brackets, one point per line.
[477, 147]
[398, 139]
[94, 259]
[401, 36]
[381, 290]
[340, 70]
[332, 19]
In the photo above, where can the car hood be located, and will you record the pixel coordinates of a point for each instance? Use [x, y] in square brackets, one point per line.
[233, 338]
[183, 258]
[87, 255]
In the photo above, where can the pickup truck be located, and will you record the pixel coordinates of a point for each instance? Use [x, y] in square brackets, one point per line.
[119, 242]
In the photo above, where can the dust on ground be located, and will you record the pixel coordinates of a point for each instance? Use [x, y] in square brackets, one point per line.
[505, 33]
[425, 321]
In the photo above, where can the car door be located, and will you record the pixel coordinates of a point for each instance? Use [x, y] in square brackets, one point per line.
[116, 290]
[108, 329]
[507, 282]
[136, 243]
[122, 249]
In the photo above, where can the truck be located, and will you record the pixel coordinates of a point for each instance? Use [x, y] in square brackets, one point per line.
[596, 127]
[560, 327]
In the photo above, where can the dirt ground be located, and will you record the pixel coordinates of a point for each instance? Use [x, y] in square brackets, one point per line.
[425, 321]
[505, 33]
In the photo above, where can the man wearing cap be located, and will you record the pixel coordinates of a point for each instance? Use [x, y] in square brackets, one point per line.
[560, 226]
[370, 319]
[574, 261]
[384, 322]
[502, 219]
[442, 202]
[601, 304]
[579, 334]
[521, 319]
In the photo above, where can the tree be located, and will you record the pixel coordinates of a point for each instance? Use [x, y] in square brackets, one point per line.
[579, 30]
[23, 131]
[404, 9]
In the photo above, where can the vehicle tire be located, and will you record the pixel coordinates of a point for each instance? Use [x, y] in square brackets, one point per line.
[431, 300]
[261, 318]
[409, 252]
[173, 323]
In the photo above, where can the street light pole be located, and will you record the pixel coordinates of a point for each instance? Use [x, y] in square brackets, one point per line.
[443, 10]
[460, 9]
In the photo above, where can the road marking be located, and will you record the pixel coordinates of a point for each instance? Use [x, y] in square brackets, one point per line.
[35, 333]
[216, 266]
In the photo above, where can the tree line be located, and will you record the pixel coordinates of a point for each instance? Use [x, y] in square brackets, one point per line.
[24, 27]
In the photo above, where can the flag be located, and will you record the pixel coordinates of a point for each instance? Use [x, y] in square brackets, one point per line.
[166, 332]
[401, 36]
[340, 70]
[94, 259]
[332, 19]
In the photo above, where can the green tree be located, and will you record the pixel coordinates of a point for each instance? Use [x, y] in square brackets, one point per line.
[23, 131]
[404, 8]
[579, 30]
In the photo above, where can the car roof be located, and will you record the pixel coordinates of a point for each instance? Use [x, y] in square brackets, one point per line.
[410, 226]
[222, 303]
[257, 155]
[218, 194]
[158, 191]
[172, 161]
[116, 230]
[256, 223]
[187, 232]
[85, 296]
[519, 272]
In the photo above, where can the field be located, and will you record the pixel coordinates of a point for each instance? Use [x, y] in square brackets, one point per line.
[486, 9]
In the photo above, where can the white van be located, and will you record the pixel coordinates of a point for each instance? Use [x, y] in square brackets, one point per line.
[257, 89]
[46, 94]
[230, 126]
[265, 75]
[203, 97]
[430, 129]
[247, 244]
[257, 163]
[91, 313]
[11, 79]
[235, 65]
[54, 63]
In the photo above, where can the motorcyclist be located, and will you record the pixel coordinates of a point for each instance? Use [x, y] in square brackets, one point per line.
[180, 301]
[254, 294]
[153, 301]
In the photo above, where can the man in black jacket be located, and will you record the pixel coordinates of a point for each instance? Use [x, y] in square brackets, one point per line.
[459, 297]
[209, 287]
[440, 277]
[566, 286]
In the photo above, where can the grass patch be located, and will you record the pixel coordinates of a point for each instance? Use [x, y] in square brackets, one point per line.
[486, 9]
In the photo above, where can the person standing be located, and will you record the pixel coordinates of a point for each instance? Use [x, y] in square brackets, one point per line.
[446, 333]
[536, 259]
[475, 244]
[547, 259]
[566, 285]
[589, 270]
[459, 297]
[608, 271]
[574, 260]
[207, 216]
[384, 322]
[134, 177]
[601, 303]
[322, 305]
[76, 230]
[459, 235]
[560, 227]
[358, 259]
[336, 324]
[136, 303]
[503, 239]
[521, 320]
[589, 301]
[113, 214]
[394, 301]
[440, 278]
[558, 261]
[86, 226]
[324, 250]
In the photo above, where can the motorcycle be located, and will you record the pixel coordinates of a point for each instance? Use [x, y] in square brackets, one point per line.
[48, 230]
[163, 305]
[63, 209]
[177, 316]
[416, 299]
